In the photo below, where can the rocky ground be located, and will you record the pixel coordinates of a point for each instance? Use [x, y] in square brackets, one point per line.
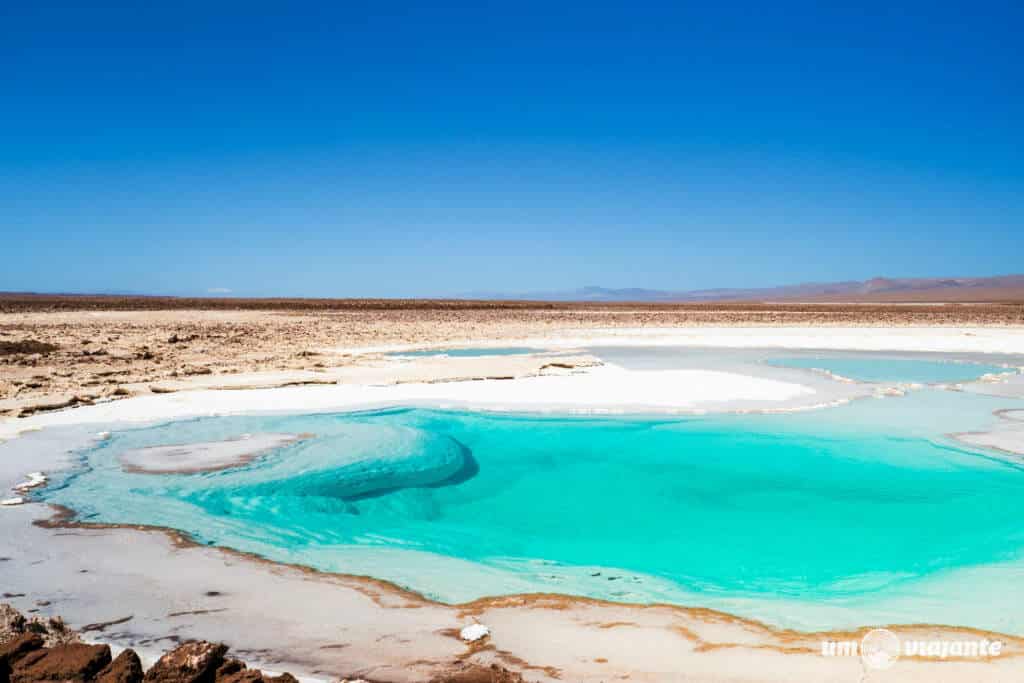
[35, 649]
[63, 351]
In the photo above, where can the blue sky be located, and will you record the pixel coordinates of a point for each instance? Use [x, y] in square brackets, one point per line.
[408, 149]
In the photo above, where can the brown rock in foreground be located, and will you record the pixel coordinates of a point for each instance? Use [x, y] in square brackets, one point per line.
[26, 658]
[16, 649]
[44, 649]
[126, 668]
[203, 662]
[193, 662]
[234, 671]
[72, 662]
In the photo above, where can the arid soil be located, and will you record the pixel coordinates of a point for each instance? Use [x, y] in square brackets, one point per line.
[61, 351]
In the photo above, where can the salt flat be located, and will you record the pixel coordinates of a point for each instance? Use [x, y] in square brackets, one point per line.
[151, 575]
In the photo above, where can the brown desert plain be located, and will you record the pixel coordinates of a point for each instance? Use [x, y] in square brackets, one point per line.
[57, 351]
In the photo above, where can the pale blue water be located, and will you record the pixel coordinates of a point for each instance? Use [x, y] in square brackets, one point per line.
[470, 352]
[738, 512]
[893, 369]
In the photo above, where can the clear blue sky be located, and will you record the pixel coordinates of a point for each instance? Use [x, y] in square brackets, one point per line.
[394, 149]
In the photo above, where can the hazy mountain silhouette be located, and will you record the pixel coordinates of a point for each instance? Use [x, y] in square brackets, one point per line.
[999, 288]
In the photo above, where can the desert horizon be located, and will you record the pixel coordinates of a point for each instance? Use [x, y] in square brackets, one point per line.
[938, 290]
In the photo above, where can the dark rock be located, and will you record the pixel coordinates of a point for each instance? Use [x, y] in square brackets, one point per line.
[229, 668]
[126, 668]
[241, 676]
[26, 346]
[283, 678]
[72, 662]
[191, 662]
[104, 625]
[234, 671]
[13, 650]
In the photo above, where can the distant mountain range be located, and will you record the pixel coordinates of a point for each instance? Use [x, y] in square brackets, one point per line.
[879, 289]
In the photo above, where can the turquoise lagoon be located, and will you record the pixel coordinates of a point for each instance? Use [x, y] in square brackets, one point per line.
[832, 518]
[917, 370]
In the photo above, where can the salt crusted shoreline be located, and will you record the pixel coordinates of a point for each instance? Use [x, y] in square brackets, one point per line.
[332, 626]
